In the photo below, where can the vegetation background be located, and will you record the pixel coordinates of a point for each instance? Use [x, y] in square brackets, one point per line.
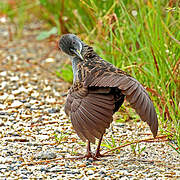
[141, 37]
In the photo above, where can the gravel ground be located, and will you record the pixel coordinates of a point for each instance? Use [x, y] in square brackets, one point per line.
[34, 129]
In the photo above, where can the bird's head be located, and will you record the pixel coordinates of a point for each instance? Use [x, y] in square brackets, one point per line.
[71, 45]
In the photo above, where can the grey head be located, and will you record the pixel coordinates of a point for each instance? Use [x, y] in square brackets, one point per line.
[71, 45]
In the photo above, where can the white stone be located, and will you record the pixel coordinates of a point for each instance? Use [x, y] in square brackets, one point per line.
[14, 78]
[2, 106]
[48, 88]
[22, 89]
[15, 92]
[56, 93]
[49, 60]
[29, 89]
[35, 94]
[3, 166]
[16, 104]
[10, 97]
[42, 137]
[50, 100]
[32, 101]
[90, 172]
[3, 73]
[3, 19]
[3, 84]
[4, 96]
[1, 122]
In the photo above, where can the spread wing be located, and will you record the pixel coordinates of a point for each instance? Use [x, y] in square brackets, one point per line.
[134, 92]
[90, 112]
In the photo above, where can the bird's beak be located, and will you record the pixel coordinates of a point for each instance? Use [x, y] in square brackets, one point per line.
[78, 53]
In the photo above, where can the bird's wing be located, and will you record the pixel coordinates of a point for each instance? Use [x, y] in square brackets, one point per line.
[90, 112]
[134, 92]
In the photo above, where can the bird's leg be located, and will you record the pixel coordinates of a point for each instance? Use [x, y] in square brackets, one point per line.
[97, 154]
[88, 154]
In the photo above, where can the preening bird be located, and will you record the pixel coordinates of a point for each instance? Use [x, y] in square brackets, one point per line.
[98, 91]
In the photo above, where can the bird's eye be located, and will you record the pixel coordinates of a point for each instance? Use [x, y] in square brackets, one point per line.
[73, 42]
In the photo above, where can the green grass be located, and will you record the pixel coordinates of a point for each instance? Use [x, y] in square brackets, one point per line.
[146, 44]
[65, 73]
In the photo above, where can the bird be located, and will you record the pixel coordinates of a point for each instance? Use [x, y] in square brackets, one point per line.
[98, 91]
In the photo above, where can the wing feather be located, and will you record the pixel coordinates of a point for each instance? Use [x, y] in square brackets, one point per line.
[99, 97]
[99, 103]
[83, 130]
[135, 94]
[100, 125]
[129, 91]
[91, 114]
[88, 124]
[91, 120]
[96, 81]
[77, 127]
[100, 117]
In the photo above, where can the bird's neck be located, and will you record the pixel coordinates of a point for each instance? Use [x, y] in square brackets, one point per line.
[87, 53]
[75, 62]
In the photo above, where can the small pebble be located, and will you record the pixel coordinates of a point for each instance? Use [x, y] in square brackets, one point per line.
[16, 104]
[15, 78]
[4, 96]
[46, 155]
[49, 60]
[3, 73]
[50, 100]
[2, 106]
[90, 172]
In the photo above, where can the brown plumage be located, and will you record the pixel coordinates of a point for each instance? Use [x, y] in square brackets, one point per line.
[98, 91]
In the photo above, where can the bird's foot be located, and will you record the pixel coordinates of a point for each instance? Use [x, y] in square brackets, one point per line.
[98, 155]
[87, 156]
